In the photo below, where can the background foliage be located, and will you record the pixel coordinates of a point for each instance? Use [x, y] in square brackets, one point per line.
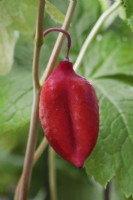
[108, 64]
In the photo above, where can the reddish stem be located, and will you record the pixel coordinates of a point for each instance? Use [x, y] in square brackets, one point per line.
[67, 36]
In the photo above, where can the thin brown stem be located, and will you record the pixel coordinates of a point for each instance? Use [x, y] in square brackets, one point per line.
[52, 174]
[24, 183]
[37, 155]
[40, 150]
[56, 50]
[107, 191]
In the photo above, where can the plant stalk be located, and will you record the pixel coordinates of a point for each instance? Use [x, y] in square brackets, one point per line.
[38, 43]
[40, 150]
[94, 32]
[24, 183]
[28, 162]
[107, 191]
[52, 174]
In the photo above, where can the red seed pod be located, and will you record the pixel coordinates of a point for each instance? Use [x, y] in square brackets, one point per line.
[69, 114]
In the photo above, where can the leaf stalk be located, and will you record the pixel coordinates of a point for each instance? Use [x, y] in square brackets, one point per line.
[94, 32]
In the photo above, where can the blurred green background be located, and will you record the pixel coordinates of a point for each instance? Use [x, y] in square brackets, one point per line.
[108, 62]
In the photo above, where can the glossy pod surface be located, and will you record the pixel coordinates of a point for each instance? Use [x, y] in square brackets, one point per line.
[69, 114]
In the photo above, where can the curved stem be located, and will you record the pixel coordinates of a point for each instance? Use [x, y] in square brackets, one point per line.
[66, 34]
[59, 41]
[52, 174]
[94, 31]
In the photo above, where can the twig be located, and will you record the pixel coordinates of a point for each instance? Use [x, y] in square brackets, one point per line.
[36, 84]
[37, 155]
[59, 41]
[40, 150]
[24, 183]
[48, 70]
[94, 31]
[52, 174]
[107, 191]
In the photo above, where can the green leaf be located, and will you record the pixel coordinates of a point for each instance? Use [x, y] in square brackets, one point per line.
[15, 103]
[14, 16]
[29, 12]
[20, 15]
[10, 12]
[113, 153]
[7, 44]
[128, 4]
[108, 65]
[16, 94]
[54, 13]
[105, 4]
[115, 57]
